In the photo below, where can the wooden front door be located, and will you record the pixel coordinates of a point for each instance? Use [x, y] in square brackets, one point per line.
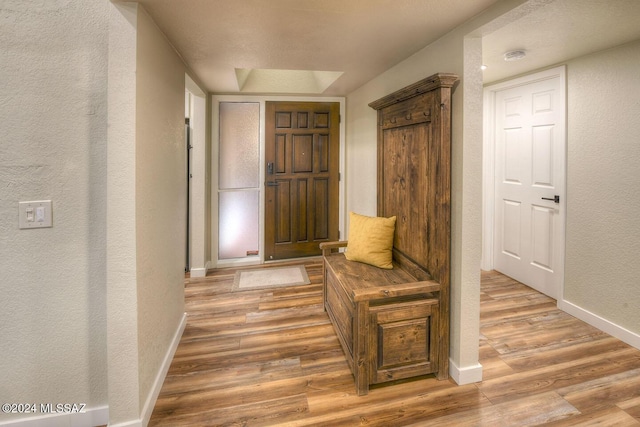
[301, 179]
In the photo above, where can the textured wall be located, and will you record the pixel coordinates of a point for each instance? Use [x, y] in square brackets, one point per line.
[53, 83]
[54, 333]
[443, 56]
[603, 185]
[161, 197]
[122, 297]
[449, 54]
[146, 207]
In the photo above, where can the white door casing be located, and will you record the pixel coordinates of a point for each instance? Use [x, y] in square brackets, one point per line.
[528, 119]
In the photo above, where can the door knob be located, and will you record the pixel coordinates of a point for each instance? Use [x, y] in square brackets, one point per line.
[556, 199]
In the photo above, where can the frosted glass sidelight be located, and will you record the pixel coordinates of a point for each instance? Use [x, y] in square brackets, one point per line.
[238, 220]
[239, 145]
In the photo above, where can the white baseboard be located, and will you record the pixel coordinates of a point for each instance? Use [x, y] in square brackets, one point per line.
[91, 417]
[157, 384]
[466, 375]
[200, 272]
[631, 338]
[134, 423]
[162, 374]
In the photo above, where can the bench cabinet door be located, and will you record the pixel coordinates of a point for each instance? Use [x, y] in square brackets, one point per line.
[402, 340]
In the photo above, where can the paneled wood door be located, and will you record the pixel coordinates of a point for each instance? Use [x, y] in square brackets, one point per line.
[301, 179]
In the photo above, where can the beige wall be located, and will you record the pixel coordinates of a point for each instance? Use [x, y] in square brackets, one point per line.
[603, 185]
[146, 210]
[459, 53]
[161, 197]
[93, 117]
[446, 55]
[53, 110]
[90, 306]
[122, 316]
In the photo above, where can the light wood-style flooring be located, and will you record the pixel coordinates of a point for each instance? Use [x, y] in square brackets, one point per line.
[270, 357]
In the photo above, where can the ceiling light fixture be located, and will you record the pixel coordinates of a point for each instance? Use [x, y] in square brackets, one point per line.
[514, 55]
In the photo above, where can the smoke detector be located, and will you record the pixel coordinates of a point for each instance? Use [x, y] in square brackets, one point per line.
[514, 55]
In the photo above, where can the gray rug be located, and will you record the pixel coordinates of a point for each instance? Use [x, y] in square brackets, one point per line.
[270, 277]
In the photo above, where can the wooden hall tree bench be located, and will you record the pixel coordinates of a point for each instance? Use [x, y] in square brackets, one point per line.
[394, 324]
[387, 321]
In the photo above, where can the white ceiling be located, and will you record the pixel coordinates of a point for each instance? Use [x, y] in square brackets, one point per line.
[559, 31]
[233, 46]
[358, 38]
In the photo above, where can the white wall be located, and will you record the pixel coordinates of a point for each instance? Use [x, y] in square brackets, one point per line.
[603, 186]
[53, 110]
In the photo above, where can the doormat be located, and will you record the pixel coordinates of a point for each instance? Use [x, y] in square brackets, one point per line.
[270, 278]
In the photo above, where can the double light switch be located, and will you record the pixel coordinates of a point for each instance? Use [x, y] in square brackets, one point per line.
[35, 214]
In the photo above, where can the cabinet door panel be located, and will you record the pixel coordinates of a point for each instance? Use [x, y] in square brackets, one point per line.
[402, 340]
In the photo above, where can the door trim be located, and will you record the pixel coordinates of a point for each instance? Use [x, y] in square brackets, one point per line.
[488, 162]
[215, 144]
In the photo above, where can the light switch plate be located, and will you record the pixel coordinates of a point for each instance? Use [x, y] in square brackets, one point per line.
[35, 214]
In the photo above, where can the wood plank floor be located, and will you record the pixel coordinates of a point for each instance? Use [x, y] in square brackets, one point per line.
[270, 357]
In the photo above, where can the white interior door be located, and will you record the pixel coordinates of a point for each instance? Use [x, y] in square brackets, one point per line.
[530, 146]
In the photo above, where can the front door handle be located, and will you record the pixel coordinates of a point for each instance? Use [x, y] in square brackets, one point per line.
[271, 184]
[556, 199]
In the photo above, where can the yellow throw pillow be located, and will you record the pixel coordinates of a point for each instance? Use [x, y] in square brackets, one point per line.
[370, 240]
